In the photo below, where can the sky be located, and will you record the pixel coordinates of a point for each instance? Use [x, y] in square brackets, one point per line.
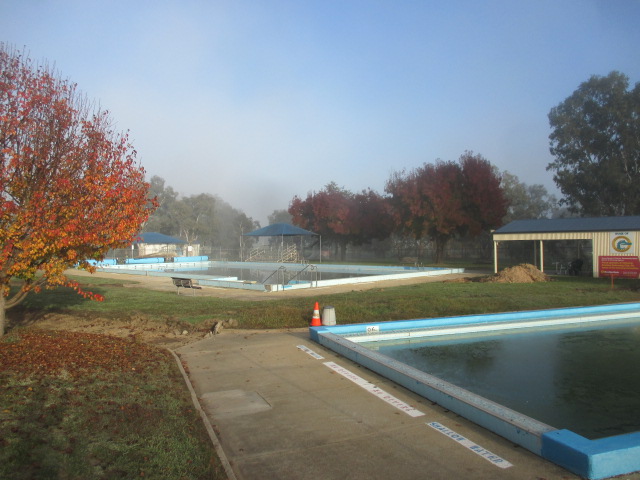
[259, 101]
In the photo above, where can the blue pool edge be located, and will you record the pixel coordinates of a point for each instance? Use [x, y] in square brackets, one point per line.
[592, 459]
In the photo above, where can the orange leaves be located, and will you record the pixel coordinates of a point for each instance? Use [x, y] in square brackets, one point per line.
[70, 187]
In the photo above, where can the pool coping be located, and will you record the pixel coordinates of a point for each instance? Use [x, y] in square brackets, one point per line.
[593, 459]
[151, 267]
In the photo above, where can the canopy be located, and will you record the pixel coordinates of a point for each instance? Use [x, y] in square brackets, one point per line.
[157, 238]
[279, 230]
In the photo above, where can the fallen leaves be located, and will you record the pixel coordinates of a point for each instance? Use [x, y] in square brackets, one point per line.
[43, 352]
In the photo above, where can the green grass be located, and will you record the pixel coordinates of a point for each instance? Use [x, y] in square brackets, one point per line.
[124, 423]
[81, 406]
[379, 304]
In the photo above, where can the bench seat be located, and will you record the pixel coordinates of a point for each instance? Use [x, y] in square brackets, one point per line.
[185, 283]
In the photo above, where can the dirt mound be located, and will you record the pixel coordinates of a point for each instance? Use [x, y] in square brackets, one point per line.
[524, 273]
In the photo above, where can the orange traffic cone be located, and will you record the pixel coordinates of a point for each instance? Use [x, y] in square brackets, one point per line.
[315, 320]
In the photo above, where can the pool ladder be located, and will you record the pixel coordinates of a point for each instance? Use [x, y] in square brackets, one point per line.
[282, 275]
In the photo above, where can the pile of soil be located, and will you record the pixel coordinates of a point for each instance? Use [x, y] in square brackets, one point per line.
[524, 273]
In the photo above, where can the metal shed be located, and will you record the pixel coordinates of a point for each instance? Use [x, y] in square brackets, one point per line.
[153, 243]
[614, 240]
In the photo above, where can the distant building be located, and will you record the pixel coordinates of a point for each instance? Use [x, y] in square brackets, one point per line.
[152, 244]
[614, 241]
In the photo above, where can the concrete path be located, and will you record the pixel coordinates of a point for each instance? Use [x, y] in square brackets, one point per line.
[281, 413]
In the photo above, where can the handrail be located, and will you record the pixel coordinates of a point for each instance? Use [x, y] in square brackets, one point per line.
[275, 271]
[283, 269]
[314, 268]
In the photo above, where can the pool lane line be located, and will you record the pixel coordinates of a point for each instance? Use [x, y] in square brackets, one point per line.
[368, 386]
[378, 392]
[307, 350]
[475, 448]
[409, 410]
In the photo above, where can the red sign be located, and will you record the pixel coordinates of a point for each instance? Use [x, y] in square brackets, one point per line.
[619, 266]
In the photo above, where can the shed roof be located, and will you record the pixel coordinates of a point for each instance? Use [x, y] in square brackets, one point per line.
[157, 239]
[559, 225]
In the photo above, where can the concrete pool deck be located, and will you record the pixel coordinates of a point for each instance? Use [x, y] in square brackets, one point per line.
[280, 412]
[164, 284]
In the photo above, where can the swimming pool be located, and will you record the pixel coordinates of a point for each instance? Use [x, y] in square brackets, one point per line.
[274, 277]
[591, 458]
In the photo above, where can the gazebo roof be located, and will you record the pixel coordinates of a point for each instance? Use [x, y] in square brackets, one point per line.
[279, 230]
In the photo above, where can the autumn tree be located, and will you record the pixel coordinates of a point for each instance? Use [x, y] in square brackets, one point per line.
[370, 217]
[326, 213]
[595, 140]
[342, 217]
[445, 199]
[70, 186]
[484, 202]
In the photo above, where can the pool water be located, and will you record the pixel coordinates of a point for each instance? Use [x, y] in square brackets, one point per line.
[586, 381]
[278, 275]
[271, 277]
[562, 383]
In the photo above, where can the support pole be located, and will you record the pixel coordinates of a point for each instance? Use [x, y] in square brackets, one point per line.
[495, 257]
[541, 255]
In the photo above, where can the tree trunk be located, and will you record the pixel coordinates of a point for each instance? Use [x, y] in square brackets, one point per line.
[343, 251]
[441, 243]
[2, 314]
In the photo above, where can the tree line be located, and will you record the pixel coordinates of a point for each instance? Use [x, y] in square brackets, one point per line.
[594, 140]
[71, 188]
[203, 219]
[431, 203]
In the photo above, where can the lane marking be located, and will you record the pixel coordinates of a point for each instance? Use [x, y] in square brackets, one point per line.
[378, 392]
[477, 449]
[315, 355]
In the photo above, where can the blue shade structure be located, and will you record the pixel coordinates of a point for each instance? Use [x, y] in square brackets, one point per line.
[280, 230]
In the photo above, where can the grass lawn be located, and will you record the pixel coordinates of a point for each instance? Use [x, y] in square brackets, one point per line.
[378, 304]
[77, 405]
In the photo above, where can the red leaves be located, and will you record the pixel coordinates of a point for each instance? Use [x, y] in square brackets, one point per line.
[486, 204]
[49, 353]
[444, 199]
[343, 217]
[90, 295]
[70, 186]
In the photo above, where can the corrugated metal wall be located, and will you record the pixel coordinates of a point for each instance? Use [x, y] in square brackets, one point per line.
[601, 242]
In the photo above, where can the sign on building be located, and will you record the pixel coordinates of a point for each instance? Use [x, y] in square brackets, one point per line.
[621, 242]
[624, 266]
